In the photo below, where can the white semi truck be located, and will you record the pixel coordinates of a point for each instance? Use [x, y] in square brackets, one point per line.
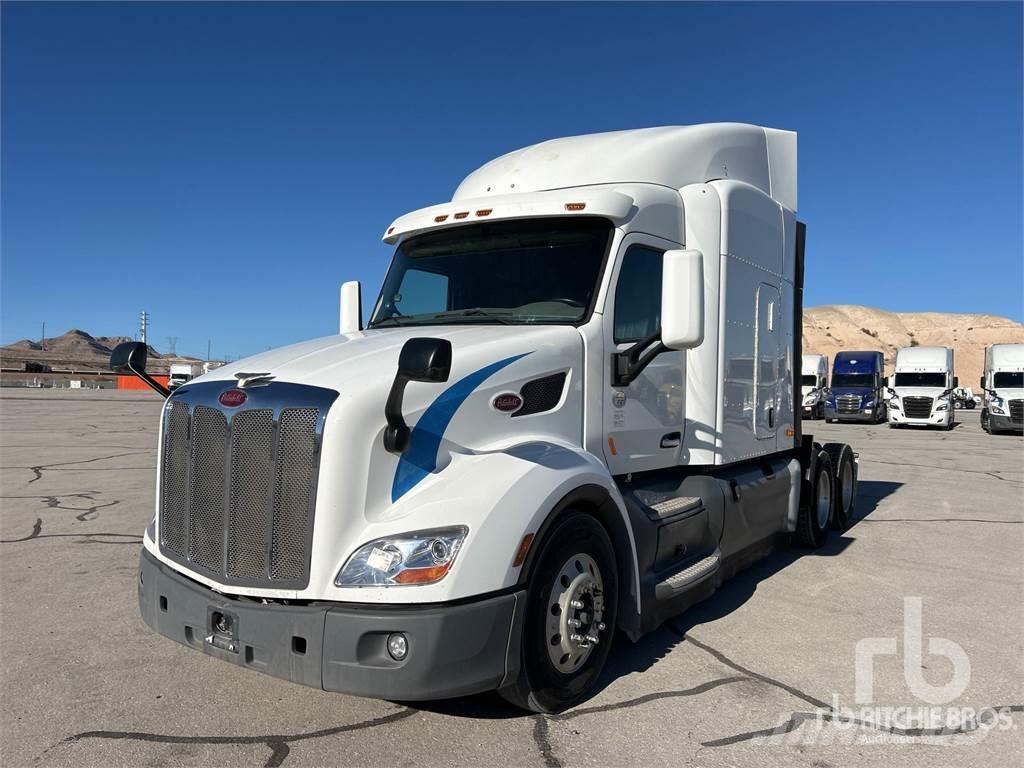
[1002, 382]
[530, 446]
[922, 388]
[813, 385]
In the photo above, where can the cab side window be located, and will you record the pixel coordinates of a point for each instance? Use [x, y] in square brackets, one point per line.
[638, 294]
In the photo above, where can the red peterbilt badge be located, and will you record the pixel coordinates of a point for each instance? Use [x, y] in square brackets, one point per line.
[232, 398]
[507, 402]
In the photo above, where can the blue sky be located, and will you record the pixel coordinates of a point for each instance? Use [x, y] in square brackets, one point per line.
[226, 166]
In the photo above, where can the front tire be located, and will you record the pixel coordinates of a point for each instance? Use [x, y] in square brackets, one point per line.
[816, 514]
[571, 610]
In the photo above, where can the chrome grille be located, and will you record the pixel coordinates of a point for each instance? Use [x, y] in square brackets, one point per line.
[252, 467]
[848, 404]
[1017, 411]
[174, 475]
[916, 407]
[238, 485]
[292, 511]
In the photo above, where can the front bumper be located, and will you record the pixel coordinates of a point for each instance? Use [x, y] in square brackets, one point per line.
[1004, 423]
[937, 419]
[454, 650]
[832, 413]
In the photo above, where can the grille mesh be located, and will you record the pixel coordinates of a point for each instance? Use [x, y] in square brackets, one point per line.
[1017, 411]
[916, 407]
[252, 469]
[541, 395]
[174, 474]
[238, 485]
[297, 449]
[206, 488]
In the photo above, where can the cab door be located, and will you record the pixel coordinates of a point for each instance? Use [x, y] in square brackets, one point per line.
[767, 345]
[643, 421]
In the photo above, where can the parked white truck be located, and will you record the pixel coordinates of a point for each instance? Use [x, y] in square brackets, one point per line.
[180, 373]
[1002, 382]
[813, 385]
[922, 388]
[528, 447]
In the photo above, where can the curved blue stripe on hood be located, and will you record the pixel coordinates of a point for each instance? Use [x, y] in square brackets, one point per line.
[420, 459]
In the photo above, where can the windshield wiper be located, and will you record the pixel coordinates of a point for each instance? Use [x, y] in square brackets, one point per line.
[392, 319]
[472, 312]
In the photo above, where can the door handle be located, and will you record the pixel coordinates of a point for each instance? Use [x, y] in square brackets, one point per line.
[671, 440]
[771, 417]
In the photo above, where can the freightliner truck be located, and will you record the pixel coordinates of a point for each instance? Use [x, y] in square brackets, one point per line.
[1002, 382]
[526, 449]
[922, 388]
[813, 383]
[857, 389]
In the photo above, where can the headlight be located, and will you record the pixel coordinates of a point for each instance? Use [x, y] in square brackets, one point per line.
[869, 403]
[423, 557]
[942, 406]
[996, 401]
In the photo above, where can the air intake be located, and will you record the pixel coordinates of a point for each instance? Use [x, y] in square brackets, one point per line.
[541, 395]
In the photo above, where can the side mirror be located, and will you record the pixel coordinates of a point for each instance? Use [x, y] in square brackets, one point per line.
[682, 299]
[421, 359]
[351, 307]
[426, 359]
[130, 357]
[885, 381]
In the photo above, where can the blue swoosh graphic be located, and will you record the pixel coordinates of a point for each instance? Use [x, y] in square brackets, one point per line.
[421, 457]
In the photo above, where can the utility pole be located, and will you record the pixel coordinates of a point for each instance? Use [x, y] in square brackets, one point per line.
[172, 345]
[207, 350]
[144, 327]
[42, 339]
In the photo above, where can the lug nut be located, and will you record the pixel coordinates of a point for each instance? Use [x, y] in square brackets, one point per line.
[600, 627]
[577, 604]
[592, 639]
[574, 622]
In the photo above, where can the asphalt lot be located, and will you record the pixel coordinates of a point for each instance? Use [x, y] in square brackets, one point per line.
[940, 516]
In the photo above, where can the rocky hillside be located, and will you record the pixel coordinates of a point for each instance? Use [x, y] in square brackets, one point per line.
[76, 350]
[835, 327]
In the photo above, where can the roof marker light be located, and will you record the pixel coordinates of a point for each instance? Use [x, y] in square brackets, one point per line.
[484, 212]
[575, 206]
[442, 217]
[461, 214]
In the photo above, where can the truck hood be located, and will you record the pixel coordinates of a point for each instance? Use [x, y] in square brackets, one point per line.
[370, 358]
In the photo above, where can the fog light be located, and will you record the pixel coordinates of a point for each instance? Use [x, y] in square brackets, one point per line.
[398, 646]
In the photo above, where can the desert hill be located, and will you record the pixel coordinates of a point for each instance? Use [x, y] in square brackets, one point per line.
[77, 350]
[835, 327]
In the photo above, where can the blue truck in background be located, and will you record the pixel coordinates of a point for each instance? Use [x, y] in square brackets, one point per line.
[858, 387]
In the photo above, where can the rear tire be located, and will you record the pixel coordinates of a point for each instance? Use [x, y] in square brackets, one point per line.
[574, 579]
[845, 486]
[816, 514]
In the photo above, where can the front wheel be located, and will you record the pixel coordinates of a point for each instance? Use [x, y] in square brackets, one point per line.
[571, 609]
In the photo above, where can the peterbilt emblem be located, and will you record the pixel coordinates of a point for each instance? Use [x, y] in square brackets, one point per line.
[232, 398]
[618, 398]
[507, 402]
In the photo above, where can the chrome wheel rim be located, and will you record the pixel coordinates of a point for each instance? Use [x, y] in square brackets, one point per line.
[846, 486]
[574, 614]
[824, 499]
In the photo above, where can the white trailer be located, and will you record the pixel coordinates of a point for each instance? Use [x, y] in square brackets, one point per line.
[922, 388]
[813, 385]
[574, 411]
[1002, 408]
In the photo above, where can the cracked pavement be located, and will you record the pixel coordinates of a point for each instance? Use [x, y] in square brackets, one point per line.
[747, 678]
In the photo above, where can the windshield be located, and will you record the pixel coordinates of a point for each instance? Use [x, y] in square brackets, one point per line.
[514, 272]
[853, 380]
[921, 380]
[809, 380]
[1008, 380]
